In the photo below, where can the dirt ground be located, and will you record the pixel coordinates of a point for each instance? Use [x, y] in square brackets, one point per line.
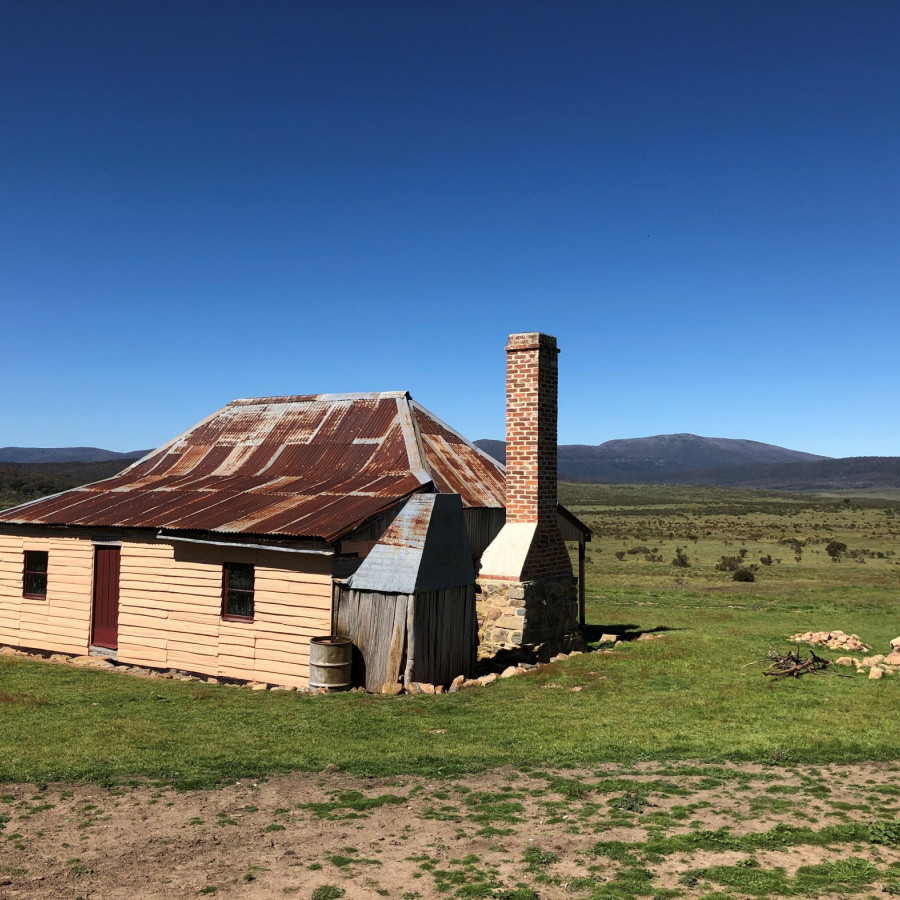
[506, 834]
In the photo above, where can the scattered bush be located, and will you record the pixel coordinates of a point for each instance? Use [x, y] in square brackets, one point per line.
[796, 544]
[743, 574]
[634, 551]
[620, 555]
[836, 549]
[766, 560]
[681, 559]
[730, 563]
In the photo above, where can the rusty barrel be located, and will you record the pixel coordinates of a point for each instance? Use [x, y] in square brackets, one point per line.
[330, 659]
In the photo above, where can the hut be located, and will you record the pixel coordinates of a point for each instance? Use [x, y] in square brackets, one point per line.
[271, 522]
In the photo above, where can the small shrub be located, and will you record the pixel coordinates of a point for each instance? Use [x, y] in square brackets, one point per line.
[681, 559]
[887, 833]
[766, 560]
[620, 555]
[835, 549]
[729, 563]
[539, 859]
[743, 574]
[630, 801]
[634, 551]
[327, 892]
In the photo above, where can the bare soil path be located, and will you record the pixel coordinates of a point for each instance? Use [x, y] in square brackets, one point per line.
[505, 834]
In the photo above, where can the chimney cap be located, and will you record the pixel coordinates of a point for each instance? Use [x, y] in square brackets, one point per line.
[531, 340]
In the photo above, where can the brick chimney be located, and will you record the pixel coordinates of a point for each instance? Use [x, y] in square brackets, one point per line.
[528, 596]
[532, 381]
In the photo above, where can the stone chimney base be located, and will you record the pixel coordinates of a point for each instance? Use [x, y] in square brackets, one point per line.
[539, 618]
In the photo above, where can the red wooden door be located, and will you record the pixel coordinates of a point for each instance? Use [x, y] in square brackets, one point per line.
[106, 598]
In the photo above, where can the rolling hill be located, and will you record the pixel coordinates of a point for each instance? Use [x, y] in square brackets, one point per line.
[64, 454]
[853, 473]
[661, 459]
[725, 462]
[21, 482]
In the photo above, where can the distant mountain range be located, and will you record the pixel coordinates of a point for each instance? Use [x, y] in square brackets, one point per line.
[658, 457]
[661, 459]
[64, 454]
[691, 459]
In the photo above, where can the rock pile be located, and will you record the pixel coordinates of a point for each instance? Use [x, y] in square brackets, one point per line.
[876, 665]
[835, 640]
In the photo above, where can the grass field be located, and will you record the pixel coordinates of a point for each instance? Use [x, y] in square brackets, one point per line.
[695, 693]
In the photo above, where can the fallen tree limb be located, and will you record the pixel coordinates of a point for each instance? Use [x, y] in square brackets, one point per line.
[793, 665]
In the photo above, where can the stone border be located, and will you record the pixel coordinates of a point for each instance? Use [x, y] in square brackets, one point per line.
[497, 668]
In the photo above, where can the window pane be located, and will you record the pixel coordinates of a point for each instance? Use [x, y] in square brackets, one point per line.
[36, 560]
[36, 583]
[240, 603]
[240, 576]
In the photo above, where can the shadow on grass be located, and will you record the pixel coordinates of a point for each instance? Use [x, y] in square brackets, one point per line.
[623, 632]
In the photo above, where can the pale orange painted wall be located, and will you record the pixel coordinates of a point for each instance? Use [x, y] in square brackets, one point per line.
[62, 621]
[170, 607]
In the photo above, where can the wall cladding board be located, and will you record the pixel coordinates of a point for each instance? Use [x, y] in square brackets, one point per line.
[170, 606]
[292, 602]
[61, 622]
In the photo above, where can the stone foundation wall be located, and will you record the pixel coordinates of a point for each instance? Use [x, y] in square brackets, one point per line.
[532, 616]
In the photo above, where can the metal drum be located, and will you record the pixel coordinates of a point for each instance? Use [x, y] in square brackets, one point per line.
[330, 660]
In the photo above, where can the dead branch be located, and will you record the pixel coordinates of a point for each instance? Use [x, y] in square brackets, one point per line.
[792, 664]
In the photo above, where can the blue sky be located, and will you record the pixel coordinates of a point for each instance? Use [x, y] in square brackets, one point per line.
[208, 200]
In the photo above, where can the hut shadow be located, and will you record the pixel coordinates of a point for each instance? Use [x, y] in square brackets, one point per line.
[623, 632]
[357, 667]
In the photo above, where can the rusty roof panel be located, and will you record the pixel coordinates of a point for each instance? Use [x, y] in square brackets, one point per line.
[458, 466]
[303, 466]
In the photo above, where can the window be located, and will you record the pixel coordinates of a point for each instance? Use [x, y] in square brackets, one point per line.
[237, 591]
[34, 578]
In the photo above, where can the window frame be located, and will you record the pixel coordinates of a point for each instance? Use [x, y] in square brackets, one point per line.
[226, 588]
[26, 571]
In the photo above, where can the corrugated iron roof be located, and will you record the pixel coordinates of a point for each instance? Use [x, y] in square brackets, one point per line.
[312, 466]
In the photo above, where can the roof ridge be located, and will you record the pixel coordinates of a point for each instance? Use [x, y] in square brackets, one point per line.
[418, 461]
[319, 398]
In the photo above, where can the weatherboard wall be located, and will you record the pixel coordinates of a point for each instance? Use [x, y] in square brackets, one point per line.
[182, 627]
[170, 599]
[61, 621]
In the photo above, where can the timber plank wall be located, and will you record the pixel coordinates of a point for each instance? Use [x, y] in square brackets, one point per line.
[170, 601]
[62, 621]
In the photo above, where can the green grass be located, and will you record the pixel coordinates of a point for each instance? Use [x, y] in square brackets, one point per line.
[698, 693]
